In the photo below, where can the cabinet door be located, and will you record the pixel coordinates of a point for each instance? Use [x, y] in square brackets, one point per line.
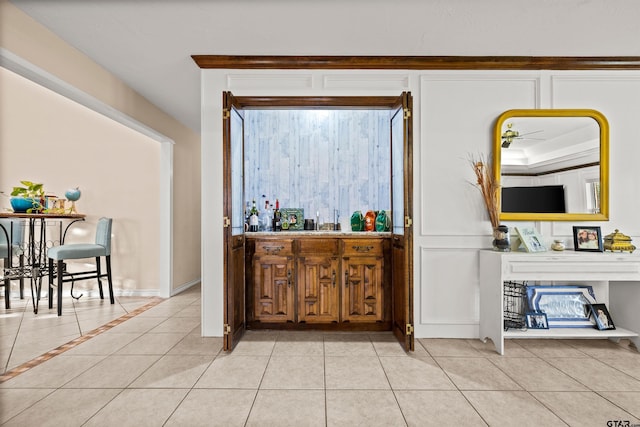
[234, 241]
[362, 295]
[274, 291]
[318, 278]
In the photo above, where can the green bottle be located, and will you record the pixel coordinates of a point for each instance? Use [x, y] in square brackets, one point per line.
[357, 221]
[383, 222]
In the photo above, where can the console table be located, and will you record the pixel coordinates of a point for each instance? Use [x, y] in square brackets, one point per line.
[615, 278]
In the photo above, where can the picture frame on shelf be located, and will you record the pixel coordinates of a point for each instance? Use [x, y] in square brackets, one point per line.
[536, 320]
[587, 238]
[602, 317]
[530, 239]
[292, 218]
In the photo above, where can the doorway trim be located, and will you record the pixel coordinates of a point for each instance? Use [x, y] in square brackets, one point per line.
[231, 327]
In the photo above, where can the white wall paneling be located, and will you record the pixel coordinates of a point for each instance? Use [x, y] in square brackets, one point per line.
[457, 118]
[617, 96]
[448, 293]
[398, 82]
[274, 81]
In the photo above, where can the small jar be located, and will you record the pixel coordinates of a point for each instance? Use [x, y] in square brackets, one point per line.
[558, 245]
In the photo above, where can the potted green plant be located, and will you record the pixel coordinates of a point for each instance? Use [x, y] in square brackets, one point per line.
[28, 197]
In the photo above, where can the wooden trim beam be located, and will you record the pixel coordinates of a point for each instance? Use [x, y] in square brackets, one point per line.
[334, 102]
[263, 62]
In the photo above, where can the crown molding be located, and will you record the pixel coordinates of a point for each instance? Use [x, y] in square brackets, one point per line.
[418, 62]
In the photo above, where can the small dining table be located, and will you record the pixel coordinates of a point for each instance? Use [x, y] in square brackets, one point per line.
[35, 265]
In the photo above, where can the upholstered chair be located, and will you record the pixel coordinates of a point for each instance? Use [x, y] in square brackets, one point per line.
[101, 248]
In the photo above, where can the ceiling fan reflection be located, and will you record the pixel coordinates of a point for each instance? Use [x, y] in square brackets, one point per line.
[511, 135]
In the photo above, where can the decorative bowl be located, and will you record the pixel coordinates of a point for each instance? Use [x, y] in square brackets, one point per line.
[22, 204]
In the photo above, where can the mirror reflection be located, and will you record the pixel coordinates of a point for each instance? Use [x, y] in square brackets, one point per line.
[552, 164]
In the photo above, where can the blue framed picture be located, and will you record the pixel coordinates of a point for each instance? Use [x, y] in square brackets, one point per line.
[566, 306]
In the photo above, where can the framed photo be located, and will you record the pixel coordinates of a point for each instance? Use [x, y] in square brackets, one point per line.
[292, 218]
[586, 238]
[530, 239]
[602, 317]
[536, 320]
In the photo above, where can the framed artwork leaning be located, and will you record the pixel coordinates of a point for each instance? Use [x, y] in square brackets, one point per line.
[587, 238]
[536, 320]
[602, 317]
[530, 239]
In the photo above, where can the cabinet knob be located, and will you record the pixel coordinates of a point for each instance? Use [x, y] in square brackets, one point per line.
[346, 279]
[333, 278]
[289, 278]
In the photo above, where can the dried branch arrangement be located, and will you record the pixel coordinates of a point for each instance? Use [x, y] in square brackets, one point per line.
[488, 187]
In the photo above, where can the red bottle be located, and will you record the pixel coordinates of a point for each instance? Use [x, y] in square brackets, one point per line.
[370, 221]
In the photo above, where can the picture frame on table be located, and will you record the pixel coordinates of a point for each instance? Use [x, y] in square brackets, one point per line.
[602, 317]
[530, 239]
[587, 238]
[536, 320]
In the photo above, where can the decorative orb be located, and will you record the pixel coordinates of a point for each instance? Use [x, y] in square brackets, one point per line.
[73, 194]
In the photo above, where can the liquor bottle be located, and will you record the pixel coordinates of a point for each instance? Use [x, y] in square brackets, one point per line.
[254, 222]
[247, 213]
[277, 217]
[265, 218]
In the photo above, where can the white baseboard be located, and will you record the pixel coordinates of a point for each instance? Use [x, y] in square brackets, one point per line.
[184, 287]
[93, 292]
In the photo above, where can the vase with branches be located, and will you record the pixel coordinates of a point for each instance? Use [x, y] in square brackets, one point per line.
[490, 191]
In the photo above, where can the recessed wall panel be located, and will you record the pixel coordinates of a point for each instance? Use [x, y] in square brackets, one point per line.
[457, 117]
[449, 286]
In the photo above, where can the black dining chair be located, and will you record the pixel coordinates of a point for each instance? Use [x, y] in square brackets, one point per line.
[101, 248]
[14, 231]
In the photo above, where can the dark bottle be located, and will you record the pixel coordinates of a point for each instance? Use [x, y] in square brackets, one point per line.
[277, 217]
[254, 221]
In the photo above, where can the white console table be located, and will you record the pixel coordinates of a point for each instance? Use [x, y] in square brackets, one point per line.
[615, 278]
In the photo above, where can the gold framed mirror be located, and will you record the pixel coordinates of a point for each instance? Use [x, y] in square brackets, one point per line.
[552, 165]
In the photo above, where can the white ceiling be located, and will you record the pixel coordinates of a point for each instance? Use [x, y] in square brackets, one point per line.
[148, 43]
[550, 143]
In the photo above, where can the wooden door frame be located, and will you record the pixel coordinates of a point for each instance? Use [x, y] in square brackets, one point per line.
[403, 282]
[311, 102]
[231, 302]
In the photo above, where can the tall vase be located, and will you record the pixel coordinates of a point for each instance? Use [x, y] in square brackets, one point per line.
[501, 239]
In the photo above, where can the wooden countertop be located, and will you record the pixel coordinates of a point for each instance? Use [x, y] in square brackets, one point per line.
[42, 215]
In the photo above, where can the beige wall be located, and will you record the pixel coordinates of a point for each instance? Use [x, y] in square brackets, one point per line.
[63, 145]
[121, 149]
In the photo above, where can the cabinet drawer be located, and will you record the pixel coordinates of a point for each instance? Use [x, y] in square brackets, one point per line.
[318, 246]
[274, 247]
[563, 269]
[370, 247]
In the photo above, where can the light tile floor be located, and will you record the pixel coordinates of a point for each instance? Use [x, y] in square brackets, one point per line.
[155, 369]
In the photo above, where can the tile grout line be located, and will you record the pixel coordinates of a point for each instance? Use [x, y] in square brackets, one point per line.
[393, 390]
[77, 341]
[255, 397]
[15, 340]
[458, 389]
